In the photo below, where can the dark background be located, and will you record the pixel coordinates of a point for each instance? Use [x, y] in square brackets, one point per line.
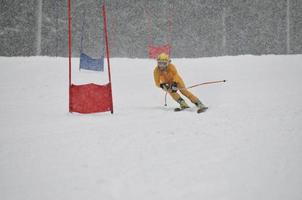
[198, 28]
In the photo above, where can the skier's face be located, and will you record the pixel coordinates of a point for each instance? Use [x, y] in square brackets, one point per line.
[162, 65]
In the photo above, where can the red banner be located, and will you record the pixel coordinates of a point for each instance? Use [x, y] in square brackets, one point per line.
[90, 98]
[154, 51]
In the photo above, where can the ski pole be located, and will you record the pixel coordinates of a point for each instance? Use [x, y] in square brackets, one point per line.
[204, 83]
[196, 85]
[166, 98]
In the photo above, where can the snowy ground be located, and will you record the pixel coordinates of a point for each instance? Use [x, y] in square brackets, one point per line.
[248, 145]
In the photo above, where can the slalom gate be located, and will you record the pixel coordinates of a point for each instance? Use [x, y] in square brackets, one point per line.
[90, 97]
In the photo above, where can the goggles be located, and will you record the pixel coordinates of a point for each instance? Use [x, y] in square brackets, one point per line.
[162, 63]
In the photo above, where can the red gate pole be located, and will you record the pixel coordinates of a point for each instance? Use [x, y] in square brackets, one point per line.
[169, 37]
[69, 51]
[107, 52]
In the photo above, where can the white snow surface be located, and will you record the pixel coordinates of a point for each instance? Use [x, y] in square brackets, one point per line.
[248, 145]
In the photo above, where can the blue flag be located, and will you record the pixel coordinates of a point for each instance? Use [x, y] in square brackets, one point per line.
[88, 63]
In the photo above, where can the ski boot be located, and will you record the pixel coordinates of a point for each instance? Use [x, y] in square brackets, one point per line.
[200, 106]
[183, 105]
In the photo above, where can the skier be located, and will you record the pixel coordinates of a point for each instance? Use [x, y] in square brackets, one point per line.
[167, 78]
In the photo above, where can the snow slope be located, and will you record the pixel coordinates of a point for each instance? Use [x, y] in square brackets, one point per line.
[248, 145]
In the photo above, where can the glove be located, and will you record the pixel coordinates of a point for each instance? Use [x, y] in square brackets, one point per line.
[165, 86]
[174, 87]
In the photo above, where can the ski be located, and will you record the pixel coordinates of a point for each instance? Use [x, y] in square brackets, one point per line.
[180, 109]
[201, 110]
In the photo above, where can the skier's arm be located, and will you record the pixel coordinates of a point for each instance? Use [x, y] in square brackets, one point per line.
[156, 78]
[176, 78]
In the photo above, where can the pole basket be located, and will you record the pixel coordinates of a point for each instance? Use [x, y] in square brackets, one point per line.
[91, 97]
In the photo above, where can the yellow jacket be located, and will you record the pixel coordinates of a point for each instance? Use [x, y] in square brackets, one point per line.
[169, 76]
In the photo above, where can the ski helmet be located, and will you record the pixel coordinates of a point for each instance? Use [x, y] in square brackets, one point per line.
[163, 61]
[163, 57]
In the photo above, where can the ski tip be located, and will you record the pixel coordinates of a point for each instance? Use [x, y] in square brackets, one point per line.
[180, 109]
[201, 110]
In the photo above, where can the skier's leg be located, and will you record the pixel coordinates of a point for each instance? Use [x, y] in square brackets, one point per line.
[193, 98]
[179, 100]
[186, 92]
[190, 96]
